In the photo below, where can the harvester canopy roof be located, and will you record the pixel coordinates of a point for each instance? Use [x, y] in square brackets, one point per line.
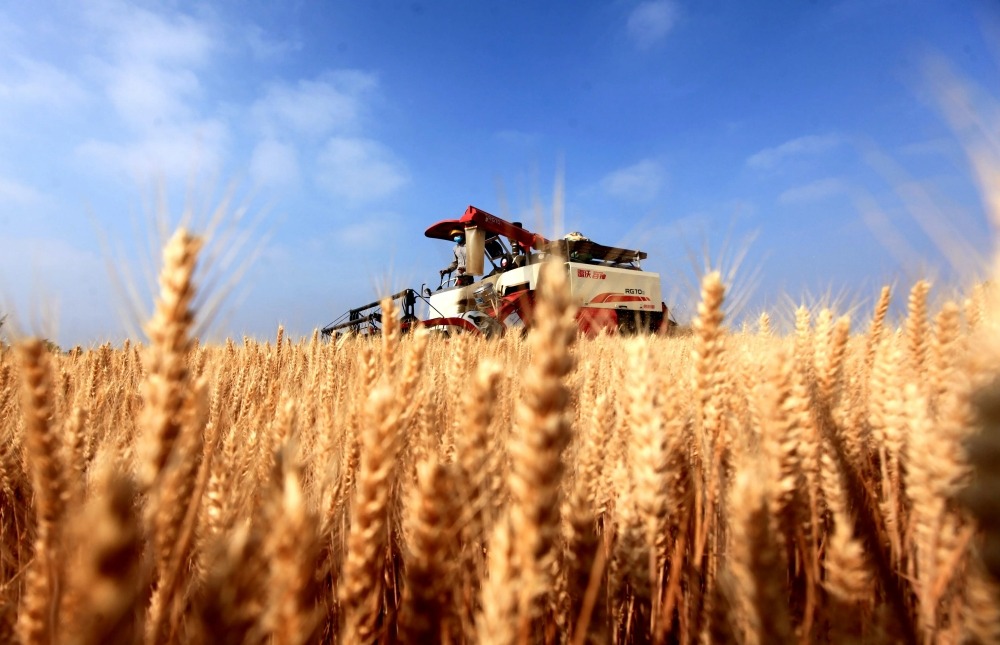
[446, 229]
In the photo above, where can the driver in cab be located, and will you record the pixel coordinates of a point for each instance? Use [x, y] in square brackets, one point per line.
[458, 262]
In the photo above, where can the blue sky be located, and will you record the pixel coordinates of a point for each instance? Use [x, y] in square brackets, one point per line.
[807, 138]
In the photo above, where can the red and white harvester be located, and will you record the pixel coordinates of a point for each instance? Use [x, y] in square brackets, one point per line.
[496, 293]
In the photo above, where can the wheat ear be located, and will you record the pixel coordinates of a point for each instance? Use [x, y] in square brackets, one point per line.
[543, 432]
[361, 586]
[584, 561]
[110, 573]
[709, 412]
[229, 605]
[430, 565]
[473, 446]
[172, 409]
[174, 508]
[764, 325]
[166, 379]
[877, 324]
[497, 620]
[916, 326]
[37, 618]
[292, 616]
[757, 564]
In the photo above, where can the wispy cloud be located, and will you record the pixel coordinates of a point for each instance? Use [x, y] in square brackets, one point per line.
[365, 234]
[815, 191]
[148, 87]
[359, 169]
[139, 35]
[333, 102]
[177, 151]
[17, 193]
[147, 96]
[769, 158]
[650, 22]
[32, 83]
[150, 69]
[264, 48]
[274, 164]
[640, 182]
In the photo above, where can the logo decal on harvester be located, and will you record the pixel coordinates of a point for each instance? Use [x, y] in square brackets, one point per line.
[587, 273]
[617, 297]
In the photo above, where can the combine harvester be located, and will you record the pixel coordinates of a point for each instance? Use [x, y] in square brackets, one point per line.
[607, 284]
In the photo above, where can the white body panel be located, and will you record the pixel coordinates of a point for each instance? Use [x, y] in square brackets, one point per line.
[604, 287]
[591, 285]
[455, 301]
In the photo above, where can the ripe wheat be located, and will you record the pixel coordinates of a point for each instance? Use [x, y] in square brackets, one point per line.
[738, 486]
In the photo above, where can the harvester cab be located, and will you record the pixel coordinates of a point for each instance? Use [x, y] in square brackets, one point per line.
[494, 250]
[503, 262]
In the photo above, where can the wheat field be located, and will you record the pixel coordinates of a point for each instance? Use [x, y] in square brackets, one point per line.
[832, 485]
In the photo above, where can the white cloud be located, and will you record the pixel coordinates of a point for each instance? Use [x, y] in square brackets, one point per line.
[335, 101]
[367, 233]
[650, 22]
[639, 182]
[15, 192]
[49, 257]
[264, 48]
[150, 67]
[174, 152]
[359, 169]
[148, 97]
[150, 71]
[813, 192]
[812, 144]
[138, 35]
[38, 84]
[274, 164]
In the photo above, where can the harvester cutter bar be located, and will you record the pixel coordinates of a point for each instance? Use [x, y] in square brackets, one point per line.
[357, 317]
